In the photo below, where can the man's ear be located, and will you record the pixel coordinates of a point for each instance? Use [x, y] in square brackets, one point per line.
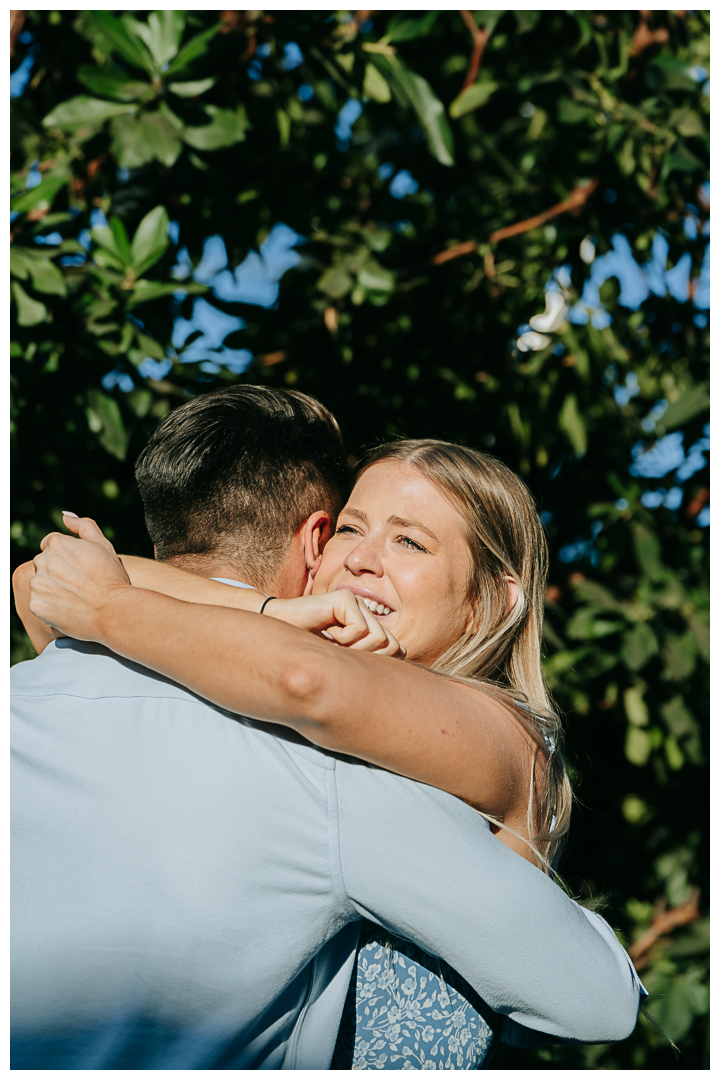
[315, 534]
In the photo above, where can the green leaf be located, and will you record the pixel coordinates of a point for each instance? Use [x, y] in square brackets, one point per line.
[585, 625]
[105, 419]
[148, 137]
[526, 20]
[571, 112]
[376, 278]
[401, 28]
[84, 111]
[113, 84]
[145, 290]
[638, 746]
[120, 236]
[150, 240]
[680, 655]
[596, 594]
[283, 123]
[572, 423]
[191, 89]
[375, 86]
[123, 41]
[679, 720]
[226, 127]
[46, 277]
[106, 239]
[149, 347]
[30, 312]
[162, 33]
[639, 644]
[669, 73]
[626, 160]
[686, 123]
[693, 401]
[430, 111]
[335, 283]
[195, 48]
[472, 98]
[682, 159]
[699, 624]
[648, 550]
[39, 197]
[635, 708]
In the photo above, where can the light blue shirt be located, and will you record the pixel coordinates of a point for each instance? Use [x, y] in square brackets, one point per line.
[187, 885]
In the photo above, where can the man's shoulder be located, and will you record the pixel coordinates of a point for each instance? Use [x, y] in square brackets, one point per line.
[85, 669]
[83, 673]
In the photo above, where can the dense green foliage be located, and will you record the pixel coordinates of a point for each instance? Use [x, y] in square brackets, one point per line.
[223, 128]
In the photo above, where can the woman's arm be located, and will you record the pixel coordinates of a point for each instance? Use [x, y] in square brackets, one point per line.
[402, 717]
[40, 633]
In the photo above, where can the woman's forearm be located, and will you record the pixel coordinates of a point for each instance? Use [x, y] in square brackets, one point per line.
[392, 714]
[242, 662]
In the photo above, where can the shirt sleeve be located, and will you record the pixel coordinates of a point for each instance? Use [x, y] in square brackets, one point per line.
[426, 866]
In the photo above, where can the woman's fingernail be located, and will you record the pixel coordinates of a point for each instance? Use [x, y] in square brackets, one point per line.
[69, 513]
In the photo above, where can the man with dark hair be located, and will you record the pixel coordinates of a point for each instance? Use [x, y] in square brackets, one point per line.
[188, 884]
[231, 477]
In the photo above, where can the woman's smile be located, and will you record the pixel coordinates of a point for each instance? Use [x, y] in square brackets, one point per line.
[400, 547]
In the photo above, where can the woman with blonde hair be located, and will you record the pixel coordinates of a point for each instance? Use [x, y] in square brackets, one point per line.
[440, 556]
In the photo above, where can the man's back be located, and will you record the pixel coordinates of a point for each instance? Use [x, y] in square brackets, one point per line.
[187, 885]
[172, 881]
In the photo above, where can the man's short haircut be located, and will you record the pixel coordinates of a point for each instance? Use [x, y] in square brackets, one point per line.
[234, 474]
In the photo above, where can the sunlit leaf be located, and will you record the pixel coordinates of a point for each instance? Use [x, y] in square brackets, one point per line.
[191, 89]
[122, 41]
[195, 48]
[150, 240]
[472, 98]
[105, 419]
[420, 95]
[162, 33]
[639, 644]
[375, 86]
[113, 83]
[694, 401]
[226, 127]
[84, 111]
[29, 311]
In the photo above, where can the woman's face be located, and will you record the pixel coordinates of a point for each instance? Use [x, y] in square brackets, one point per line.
[400, 544]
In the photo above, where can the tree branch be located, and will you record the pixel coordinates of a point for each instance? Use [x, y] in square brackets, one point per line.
[454, 252]
[577, 198]
[480, 38]
[664, 923]
[17, 18]
[644, 37]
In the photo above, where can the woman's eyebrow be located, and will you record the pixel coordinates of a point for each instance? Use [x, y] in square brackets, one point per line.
[404, 524]
[355, 513]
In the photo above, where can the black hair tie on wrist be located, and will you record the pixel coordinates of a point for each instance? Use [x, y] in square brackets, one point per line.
[265, 603]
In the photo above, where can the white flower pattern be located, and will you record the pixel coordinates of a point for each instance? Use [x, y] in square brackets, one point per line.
[407, 1013]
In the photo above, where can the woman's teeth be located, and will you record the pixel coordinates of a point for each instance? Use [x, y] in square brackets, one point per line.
[377, 609]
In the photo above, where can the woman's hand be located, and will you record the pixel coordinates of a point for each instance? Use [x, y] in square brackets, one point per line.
[75, 578]
[339, 616]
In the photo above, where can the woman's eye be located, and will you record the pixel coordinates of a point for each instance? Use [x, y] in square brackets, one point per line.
[346, 529]
[412, 544]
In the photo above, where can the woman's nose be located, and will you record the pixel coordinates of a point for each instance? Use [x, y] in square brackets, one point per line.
[364, 558]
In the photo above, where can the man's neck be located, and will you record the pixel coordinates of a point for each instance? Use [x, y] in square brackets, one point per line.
[288, 582]
[212, 567]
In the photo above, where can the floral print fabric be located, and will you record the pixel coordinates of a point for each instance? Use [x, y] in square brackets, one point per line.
[409, 1010]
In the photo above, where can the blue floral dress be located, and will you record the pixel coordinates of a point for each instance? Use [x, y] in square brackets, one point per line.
[409, 1010]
